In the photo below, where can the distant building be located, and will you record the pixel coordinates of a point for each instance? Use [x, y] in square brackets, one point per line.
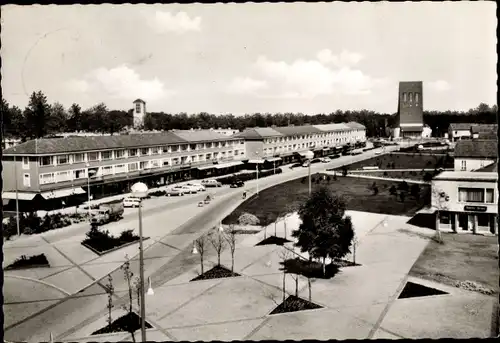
[466, 201]
[409, 120]
[475, 154]
[227, 132]
[139, 113]
[10, 142]
[457, 131]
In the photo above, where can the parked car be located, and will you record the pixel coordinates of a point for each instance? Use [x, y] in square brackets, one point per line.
[326, 160]
[306, 164]
[378, 152]
[107, 212]
[201, 204]
[199, 187]
[316, 160]
[237, 184]
[211, 183]
[175, 191]
[131, 202]
[188, 189]
[295, 165]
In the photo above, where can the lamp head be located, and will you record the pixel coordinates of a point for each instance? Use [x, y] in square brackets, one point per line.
[139, 190]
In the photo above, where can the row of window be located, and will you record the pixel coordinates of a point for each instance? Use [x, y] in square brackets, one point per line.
[299, 137]
[108, 155]
[410, 96]
[328, 141]
[477, 195]
[463, 164]
[276, 149]
[70, 175]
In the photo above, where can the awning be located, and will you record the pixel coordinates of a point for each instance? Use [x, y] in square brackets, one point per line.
[256, 161]
[327, 148]
[61, 193]
[207, 167]
[303, 154]
[228, 164]
[273, 159]
[20, 196]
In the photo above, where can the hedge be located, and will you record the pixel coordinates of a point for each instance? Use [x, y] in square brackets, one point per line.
[227, 180]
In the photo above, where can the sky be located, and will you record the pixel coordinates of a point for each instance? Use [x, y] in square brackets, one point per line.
[246, 58]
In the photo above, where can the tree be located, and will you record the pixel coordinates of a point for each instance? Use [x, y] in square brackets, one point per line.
[57, 120]
[231, 241]
[216, 238]
[415, 191]
[200, 244]
[36, 115]
[128, 274]
[248, 219]
[440, 202]
[328, 179]
[75, 118]
[110, 290]
[324, 231]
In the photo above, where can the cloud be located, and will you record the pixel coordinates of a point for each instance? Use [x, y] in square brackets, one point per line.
[311, 78]
[246, 85]
[439, 86]
[164, 22]
[121, 82]
[345, 59]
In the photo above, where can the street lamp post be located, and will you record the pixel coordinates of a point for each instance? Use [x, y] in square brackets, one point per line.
[309, 156]
[17, 198]
[257, 173]
[140, 190]
[88, 187]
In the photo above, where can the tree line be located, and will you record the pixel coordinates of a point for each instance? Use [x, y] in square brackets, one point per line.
[42, 119]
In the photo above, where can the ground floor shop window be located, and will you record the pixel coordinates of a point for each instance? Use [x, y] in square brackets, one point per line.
[445, 218]
[483, 220]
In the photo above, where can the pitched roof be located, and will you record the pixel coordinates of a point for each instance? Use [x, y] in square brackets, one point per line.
[477, 148]
[257, 133]
[492, 168]
[460, 126]
[297, 130]
[484, 128]
[487, 135]
[466, 176]
[200, 135]
[332, 127]
[76, 144]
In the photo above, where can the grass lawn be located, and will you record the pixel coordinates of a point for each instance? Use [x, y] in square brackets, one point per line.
[462, 257]
[356, 192]
[403, 161]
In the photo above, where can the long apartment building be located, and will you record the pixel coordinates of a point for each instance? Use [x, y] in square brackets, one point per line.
[48, 170]
[290, 142]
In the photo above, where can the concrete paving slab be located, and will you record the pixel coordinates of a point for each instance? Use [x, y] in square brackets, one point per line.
[369, 314]
[169, 298]
[269, 263]
[53, 256]
[114, 337]
[24, 241]
[241, 298]
[442, 317]
[314, 324]
[354, 286]
[76, 252]
[159, 251]
[36, 273]
[87, 330]
[180, 241]
[98, 271]
[23, 290]
[71, 280]
[243, 257]
[382, 334]
[152, 335]
[14, 313]
[217, 332]
[276, 280]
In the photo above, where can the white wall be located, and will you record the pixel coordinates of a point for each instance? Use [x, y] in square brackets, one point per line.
[472, 163]
[451, 189]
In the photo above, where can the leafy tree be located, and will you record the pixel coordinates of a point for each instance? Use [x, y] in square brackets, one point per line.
[57, 120]
[36, 115]
[415, 191]
[248, 219]
[216, 238]
[110, 290]
[324, 231]
[200, 244]
[74, 118]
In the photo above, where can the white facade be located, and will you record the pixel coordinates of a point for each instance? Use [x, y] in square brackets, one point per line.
[466, 201]
[471, 163]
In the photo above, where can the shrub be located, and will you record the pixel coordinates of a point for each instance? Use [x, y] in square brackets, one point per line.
[23, 261]
[385, 173]
[428, 177]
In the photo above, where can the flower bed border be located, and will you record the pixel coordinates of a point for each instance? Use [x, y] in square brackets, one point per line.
[112, 249]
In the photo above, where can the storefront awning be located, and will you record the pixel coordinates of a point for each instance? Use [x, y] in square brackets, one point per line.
[228, 164]
[256, 161]
[61, 193]
[207, 167]
[303, 154]
[20, 196]
[273, 159]
[326, 149]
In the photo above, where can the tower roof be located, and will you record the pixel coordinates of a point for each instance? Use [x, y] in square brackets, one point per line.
[139, 100]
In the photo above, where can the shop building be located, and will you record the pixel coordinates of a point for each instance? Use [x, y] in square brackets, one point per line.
[466, 202]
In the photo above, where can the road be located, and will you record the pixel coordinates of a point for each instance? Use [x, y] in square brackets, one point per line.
[73, 312]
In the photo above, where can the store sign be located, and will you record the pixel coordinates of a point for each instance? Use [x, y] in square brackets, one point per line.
[475, 208]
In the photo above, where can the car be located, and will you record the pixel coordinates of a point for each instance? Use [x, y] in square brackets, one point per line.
[315, 160]
[295, 165]
[131, 202]
[326, 160]
[211, 183]
[378, 152]
[237, 184]
[199, 187]
[175, 191]
[189, 189]
[306, 164]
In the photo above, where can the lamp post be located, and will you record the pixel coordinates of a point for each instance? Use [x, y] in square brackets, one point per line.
[140, 190]
[309, 156]
[17, 198]
[257, 171]
[88, 186]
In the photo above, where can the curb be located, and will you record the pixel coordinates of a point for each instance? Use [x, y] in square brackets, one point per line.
[38, 281]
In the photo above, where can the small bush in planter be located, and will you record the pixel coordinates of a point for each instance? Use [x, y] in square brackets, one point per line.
[32, 261]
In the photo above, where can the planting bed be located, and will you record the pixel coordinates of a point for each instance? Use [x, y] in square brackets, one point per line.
[313, 269]
[414, 290]
[24, 262]
[217, 272]
[273, 240]
[355, 191]
[103, 242]
[294, 304]
[130, 322]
